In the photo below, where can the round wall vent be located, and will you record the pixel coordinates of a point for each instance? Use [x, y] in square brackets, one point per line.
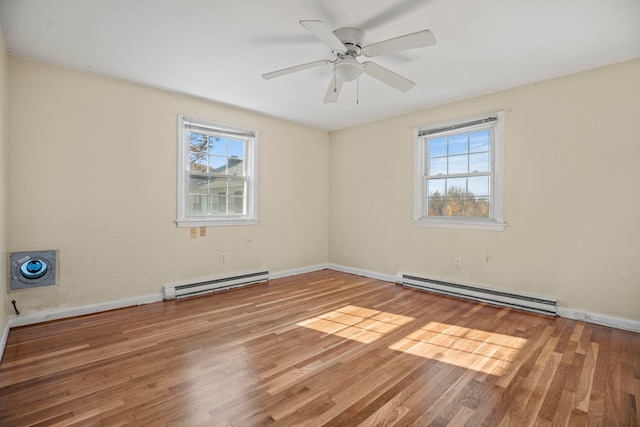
[33, 269]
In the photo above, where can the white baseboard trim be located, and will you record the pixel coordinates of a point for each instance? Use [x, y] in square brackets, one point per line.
[569, 313]
[63, 313]
[365, 273]
[600, 319]
[296, 271]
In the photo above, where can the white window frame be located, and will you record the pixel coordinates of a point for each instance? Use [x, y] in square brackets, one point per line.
[251, 158]
[495, 222]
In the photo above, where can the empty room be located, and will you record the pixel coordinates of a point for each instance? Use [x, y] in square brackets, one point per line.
[320, 213]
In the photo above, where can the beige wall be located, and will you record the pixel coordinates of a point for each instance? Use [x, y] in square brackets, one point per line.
[92, 173]
[92, 165]
[4, 301]
[572, 158]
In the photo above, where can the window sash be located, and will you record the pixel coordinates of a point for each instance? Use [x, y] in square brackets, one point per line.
[188, 194]
[227, 157]
[449, 131]
[187, 217]
[494, 221]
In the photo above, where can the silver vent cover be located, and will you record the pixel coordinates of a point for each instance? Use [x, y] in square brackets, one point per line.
[33, 269]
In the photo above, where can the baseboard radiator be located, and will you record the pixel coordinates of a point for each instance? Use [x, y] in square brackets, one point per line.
[475, 293]
[214, 285]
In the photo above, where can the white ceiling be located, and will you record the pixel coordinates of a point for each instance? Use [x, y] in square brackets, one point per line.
[218, 49]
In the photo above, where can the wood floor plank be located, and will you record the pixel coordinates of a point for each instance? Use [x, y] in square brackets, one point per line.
[585, 382]
[323, 348]
[388, 399]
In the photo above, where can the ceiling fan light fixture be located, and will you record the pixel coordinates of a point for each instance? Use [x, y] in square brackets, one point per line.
[348, 69]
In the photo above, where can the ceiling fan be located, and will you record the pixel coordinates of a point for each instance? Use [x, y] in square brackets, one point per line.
[347, 44]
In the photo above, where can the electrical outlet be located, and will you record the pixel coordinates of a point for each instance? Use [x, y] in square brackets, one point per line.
[203, 231]
[223, 257]
[458, 262]
[193, 232]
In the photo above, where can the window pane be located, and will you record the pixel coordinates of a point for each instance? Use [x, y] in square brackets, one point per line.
[459, 164]
[197, 143]
[198, 185]
[217, 164]
[236, 148]
[438, 147]
[456, 187]
[479, 141]
[197, 205]
[236, 205]
[217, 205]
[218, 199]
[456, 206]
[436, 206]
[237, 187]
[478, 207]
[459, 144]
[479, 186]
[436, 187]
[235, 166]
[218, 186]
[197, 162]
[217, 146]
[438, 166]
[479, 162]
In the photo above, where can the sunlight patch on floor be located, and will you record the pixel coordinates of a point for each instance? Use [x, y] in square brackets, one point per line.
[357, 323]
[484, 351]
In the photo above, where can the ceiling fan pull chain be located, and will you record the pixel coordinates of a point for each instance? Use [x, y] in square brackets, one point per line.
[335, 78]
[358, 91]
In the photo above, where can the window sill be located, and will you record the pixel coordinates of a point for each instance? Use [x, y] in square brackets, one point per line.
[217, 222]
[460, 224]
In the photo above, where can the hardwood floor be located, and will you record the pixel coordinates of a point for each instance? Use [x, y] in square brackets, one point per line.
[323, 348]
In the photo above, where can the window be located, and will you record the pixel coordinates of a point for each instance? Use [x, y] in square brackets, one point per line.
[217, 181]
[459, 174]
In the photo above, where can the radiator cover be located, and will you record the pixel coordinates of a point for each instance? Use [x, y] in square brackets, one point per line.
[493, 296]
[185, 290]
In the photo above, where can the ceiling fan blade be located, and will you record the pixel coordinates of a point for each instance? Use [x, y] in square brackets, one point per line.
[325, 35]
[410, 41]
[333, 91]
[386, 76]
[297, 68]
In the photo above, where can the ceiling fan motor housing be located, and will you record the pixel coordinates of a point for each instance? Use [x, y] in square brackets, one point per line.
[352, 39]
